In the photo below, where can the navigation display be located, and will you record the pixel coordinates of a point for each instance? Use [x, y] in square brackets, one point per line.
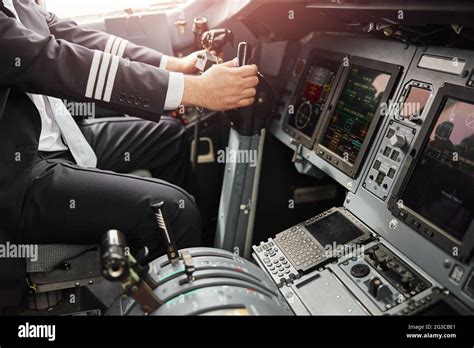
[441, 188]
[314, 93]
[354, 112]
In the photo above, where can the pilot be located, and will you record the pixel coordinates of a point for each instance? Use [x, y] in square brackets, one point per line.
[64, 183]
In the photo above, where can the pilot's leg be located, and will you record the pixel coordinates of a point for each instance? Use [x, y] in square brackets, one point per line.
[69, 204]
[125, 144]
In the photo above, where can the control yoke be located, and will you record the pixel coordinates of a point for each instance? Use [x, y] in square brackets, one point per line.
[212, 40]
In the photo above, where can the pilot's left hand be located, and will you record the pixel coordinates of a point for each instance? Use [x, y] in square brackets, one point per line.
[185, 65]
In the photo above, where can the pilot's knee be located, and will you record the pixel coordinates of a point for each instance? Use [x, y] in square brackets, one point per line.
[173, 128]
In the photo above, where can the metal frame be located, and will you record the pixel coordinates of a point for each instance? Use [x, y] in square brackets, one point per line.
[352, 170]
[437, 235]
[404, 95]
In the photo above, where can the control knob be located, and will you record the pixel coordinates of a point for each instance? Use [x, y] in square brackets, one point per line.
[378, 289]
[398, 140]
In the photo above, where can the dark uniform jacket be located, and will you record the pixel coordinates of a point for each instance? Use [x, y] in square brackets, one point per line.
[44, 55]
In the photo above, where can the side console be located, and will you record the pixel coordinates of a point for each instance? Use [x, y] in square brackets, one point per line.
[332, 264]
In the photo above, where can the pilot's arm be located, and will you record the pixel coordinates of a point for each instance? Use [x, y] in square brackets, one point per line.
[50, 66]
[45, 65]
[94, 39]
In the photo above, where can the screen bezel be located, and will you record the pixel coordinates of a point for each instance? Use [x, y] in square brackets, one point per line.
[295, 133]
[352, 170]
[437, 235]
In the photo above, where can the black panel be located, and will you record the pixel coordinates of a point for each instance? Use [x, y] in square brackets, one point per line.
[334, 228]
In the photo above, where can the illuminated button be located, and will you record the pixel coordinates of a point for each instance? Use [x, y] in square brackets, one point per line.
[457, 273]
[386, 151]
[391, 173]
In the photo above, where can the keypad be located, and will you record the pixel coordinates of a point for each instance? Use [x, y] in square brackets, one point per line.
[302, 250]
[276, 263]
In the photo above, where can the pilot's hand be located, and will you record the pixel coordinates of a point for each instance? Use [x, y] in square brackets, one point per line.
[185, 65]
[222, 87]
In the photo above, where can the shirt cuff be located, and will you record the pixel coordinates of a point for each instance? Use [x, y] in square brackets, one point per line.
[174, 95]
[163, 61]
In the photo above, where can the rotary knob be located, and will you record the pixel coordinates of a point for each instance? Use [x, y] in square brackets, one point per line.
[398, 140]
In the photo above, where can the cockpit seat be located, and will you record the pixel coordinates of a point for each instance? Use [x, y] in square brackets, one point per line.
[62, 267]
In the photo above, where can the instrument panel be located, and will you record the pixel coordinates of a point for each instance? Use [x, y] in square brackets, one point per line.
[313, 96]
[361, 98]
[443, 213]
[397, 134]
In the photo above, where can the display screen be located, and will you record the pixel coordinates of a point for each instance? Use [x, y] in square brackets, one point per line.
[354, 112]
[334, 228]
[415, 102]
[441, 188]
[314, 93]
[439, 308]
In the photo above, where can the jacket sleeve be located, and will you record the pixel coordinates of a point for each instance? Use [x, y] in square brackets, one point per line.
[51, 66]
[69, 30]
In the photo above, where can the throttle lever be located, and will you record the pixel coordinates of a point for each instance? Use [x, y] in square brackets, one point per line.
[244, 53]
[163, 224]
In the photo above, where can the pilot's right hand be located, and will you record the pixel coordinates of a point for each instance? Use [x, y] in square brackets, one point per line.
[222, 87]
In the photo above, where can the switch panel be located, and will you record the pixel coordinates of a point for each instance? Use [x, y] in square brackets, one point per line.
[384, 277]
[389, 158]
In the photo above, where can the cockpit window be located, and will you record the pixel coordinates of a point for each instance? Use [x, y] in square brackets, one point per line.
[89, 10]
